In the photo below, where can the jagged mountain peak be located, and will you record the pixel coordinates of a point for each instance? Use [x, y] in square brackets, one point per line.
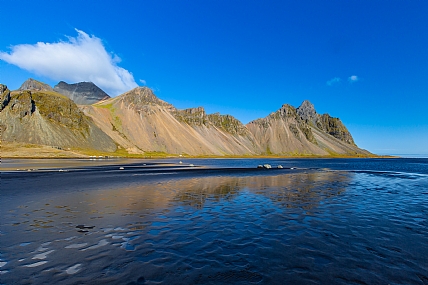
[306, 104]
[286, 107]
[285, 111]
[142, 96]
[307, 112]
[35, 85]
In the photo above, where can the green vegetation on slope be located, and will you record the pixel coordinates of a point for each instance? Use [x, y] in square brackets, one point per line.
[228, 123]
[336, 128]
[60, 109]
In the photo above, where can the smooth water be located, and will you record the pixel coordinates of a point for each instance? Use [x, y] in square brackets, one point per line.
[334, 221]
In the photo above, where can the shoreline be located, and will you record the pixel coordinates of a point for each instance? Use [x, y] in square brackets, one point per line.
[115, 163]
[13, 150]
[16, 150]
[202, 157]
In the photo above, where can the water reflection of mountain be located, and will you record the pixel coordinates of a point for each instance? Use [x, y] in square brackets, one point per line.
[299, 190]
[296, 190]
[212, 188]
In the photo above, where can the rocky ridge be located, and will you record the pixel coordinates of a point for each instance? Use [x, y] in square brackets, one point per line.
[324, 122]
[284, 132]
[228, 123]
[140, 122]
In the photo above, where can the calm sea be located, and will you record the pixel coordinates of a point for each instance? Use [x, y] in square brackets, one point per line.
[214, 221]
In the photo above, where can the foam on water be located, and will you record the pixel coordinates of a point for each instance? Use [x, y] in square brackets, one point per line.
[73, 269]
[36, 264]
[77, 245]
[43, 255]
[101, 243]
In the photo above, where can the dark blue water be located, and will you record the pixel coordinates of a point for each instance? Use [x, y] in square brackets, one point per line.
[406, 165]
[333, 221]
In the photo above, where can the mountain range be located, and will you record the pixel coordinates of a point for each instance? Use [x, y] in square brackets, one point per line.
[83, 117]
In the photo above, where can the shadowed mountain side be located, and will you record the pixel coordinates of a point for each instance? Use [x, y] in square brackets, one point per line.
[326, 123]
[48, 118]
[82, 93]
[335, 128]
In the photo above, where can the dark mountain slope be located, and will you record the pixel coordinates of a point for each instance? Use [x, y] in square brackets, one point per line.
[82, 93]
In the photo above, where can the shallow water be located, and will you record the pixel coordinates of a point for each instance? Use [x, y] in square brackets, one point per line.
[329, 221]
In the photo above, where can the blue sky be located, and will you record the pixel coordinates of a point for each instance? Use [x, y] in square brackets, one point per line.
[365, 62]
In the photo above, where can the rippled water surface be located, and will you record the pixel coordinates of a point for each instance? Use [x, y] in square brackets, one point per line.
[326, 221]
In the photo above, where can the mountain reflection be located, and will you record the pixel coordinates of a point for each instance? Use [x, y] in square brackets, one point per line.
[213, 188]
[303, 190]
[300, 190]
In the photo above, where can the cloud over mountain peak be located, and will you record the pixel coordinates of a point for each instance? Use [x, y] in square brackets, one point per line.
[81, 58]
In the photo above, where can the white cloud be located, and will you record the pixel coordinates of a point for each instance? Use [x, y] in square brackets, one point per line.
[333, 81]
[353, 78]
[83, 58]
[142, 81]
